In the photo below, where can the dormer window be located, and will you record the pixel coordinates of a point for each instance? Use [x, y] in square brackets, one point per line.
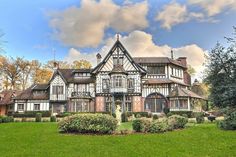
[156, 69]
[81, 75]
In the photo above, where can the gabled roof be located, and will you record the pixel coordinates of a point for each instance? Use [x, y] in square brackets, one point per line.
[40, 87]
[157, 60]
[7, 96]
[118, 69]
[29, 95]
[126, 53]
[181, 92]
[68, 75]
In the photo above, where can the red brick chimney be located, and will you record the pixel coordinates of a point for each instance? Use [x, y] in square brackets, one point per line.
[183, 61]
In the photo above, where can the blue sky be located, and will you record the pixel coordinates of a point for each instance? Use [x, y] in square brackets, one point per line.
[34, 28]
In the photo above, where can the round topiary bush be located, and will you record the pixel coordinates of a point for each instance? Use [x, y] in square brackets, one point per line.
[200, 118]
[88, 123]
[141, 124]
[155, 116]
[158, 126]
[53, 119]
[38, 117]
[177, 122]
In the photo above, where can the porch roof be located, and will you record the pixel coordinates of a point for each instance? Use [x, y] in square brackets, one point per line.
[163, 81]
[181, 92]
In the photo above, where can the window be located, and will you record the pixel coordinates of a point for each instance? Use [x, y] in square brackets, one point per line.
[81, 106]
[117, 81]
[36, 107]
[156, 69]
[108, 102]
[105, 84]
[20, 107]
[115, 60]
[57, 90]
[128, 103]
[131, 83]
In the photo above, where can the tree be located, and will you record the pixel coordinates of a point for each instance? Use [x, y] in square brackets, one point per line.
[42, 75]
[201, 89]
[27, 69]
[191, 70]
[81, 64]
[61, 65]
[11, 69]
[221, 73]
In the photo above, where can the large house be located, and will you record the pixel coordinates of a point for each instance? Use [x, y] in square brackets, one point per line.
[136, 84]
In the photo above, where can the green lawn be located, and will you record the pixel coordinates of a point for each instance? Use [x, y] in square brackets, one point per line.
[43, 140]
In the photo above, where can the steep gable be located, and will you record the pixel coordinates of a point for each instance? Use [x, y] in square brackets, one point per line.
[118, 53]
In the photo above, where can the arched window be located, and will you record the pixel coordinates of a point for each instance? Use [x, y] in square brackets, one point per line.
[155, 102]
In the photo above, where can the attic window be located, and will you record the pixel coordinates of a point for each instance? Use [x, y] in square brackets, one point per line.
[115, 60]
[81, 75]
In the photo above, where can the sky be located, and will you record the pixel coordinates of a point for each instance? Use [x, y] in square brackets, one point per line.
[76, 30]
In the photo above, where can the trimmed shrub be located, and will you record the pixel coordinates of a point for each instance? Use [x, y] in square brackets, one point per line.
[124, 117]
[137, 116]
[142, 114]
[158, 126]
[31, 114]
[166, 110]
[169, 114]
[229, 122]
[200, 118]
[188, 113]
[53, 119]
[38, 117]
[149, 115]
[141, 125]
[6, 119]
[185, 115]
[177, 122]
[155, 117]
[88, 123]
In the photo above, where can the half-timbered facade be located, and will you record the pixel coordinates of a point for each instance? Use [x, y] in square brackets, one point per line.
[136, 84]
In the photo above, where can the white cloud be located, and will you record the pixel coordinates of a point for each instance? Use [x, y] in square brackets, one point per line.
[85, 26]
[175, 13]
[140, 44]
[130, 17]
[214, 7]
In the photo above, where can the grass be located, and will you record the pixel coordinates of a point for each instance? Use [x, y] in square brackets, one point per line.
[42, 139]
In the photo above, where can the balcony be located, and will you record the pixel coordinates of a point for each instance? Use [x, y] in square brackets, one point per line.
[80, 95]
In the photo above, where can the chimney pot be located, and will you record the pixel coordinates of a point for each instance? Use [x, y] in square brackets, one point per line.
[99, 58]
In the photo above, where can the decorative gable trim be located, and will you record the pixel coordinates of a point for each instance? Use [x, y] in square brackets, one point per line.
[122, 48]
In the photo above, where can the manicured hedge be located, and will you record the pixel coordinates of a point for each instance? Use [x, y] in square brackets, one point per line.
[159, 125]
[65, 114]
[88, 123]
[181, 113]
[31, 114]
[6, 119]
